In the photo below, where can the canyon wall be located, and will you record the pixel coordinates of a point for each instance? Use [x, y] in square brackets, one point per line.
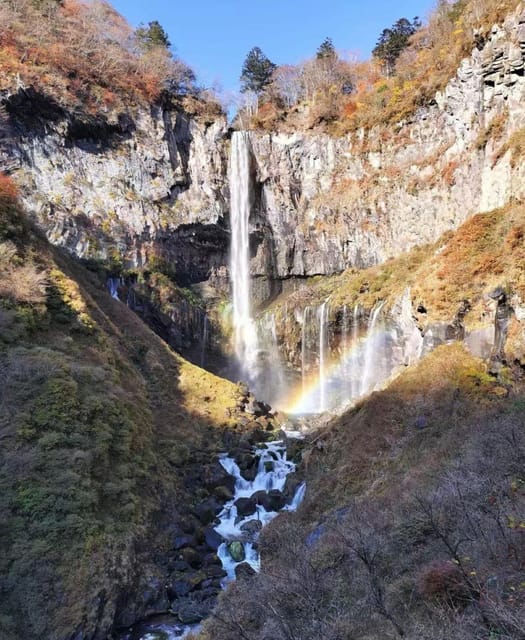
[156, 183]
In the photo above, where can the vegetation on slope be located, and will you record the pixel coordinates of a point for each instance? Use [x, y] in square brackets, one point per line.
[413, 521]
[463, 267]
[85, 55]
[99, 422]
[387, 88]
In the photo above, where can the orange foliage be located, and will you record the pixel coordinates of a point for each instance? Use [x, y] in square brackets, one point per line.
[82, 53]
[8, 189]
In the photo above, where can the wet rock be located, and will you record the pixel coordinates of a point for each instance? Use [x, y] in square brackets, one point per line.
[273, 500]
[183, 541]
[212, 538]
[191, 556]
[244, 571]
[236, 551]
[246, 506]
[251, 528]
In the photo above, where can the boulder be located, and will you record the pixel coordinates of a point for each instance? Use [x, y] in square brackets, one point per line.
[206, 511]
[212, 538]
[246, 506]
[191, 556]
[273, 500]
[236, 551]
[183, 541]
[251, 528]
[223, 493]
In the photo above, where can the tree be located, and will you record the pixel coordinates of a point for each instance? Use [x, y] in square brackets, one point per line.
[257, 71]
[152, 36]
[392, 42]
[326, 49]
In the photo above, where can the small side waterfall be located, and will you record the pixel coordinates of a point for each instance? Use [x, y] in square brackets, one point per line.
[373, 350]
[364, 360]
[113, 285]
[244, 331]
[322, 313]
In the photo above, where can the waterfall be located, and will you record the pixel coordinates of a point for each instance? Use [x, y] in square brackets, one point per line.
[354, 362]
[322, 313]
[270, 382]
[112, 285]
[304, 346]
[373, 350]
[244, 331]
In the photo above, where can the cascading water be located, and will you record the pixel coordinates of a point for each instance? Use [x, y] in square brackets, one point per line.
[112, 285]
[266, 492]
[270, 382]
[323, 349]
[365, 361]
[373, 351]
[244, 330]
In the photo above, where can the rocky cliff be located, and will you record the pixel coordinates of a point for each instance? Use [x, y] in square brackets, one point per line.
[155, 183]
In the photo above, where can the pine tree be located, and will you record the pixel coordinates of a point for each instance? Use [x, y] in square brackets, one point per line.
[257, 71]
[152, 36]
[326, 49]
[392, 42]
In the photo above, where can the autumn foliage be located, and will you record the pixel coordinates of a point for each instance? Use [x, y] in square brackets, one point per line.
[346, 94]
[83, 53]
[8, 189]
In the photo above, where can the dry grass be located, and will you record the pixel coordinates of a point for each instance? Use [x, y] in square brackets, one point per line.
[83, 54]
[485, 252]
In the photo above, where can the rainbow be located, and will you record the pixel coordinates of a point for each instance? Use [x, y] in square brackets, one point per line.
[303, 397]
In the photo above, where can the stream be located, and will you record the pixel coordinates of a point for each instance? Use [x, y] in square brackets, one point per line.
[255, 503]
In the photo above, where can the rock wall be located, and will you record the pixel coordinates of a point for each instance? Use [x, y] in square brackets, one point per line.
[328, 204]
[156, 183]
[144, 183]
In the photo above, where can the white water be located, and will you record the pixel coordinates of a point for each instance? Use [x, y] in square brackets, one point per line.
[273, 468]
[244, 330]
[364, 362]
[323, 331]
[113, 284]
[373, 351]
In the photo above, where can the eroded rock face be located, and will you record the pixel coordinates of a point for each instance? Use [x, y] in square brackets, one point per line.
[147, 183]
[156, 182]
[326, 204]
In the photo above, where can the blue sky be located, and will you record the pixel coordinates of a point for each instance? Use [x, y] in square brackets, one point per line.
[214, 36]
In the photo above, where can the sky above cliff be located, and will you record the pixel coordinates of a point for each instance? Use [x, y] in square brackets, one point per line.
[214, 36]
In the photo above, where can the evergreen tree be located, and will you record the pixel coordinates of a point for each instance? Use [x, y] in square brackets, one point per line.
[392, 42]
[257, 71]
[326, 49]
[152, 36]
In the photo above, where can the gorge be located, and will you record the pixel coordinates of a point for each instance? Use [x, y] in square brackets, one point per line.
[299, 319]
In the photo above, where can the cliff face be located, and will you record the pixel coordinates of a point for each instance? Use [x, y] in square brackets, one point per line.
[356, 201]
[155, 183]
[149, 183]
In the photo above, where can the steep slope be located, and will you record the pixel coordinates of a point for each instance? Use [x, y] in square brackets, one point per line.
[412, 524]
[109, 442]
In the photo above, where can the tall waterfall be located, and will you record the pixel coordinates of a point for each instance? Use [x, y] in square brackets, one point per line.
[244, 330]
